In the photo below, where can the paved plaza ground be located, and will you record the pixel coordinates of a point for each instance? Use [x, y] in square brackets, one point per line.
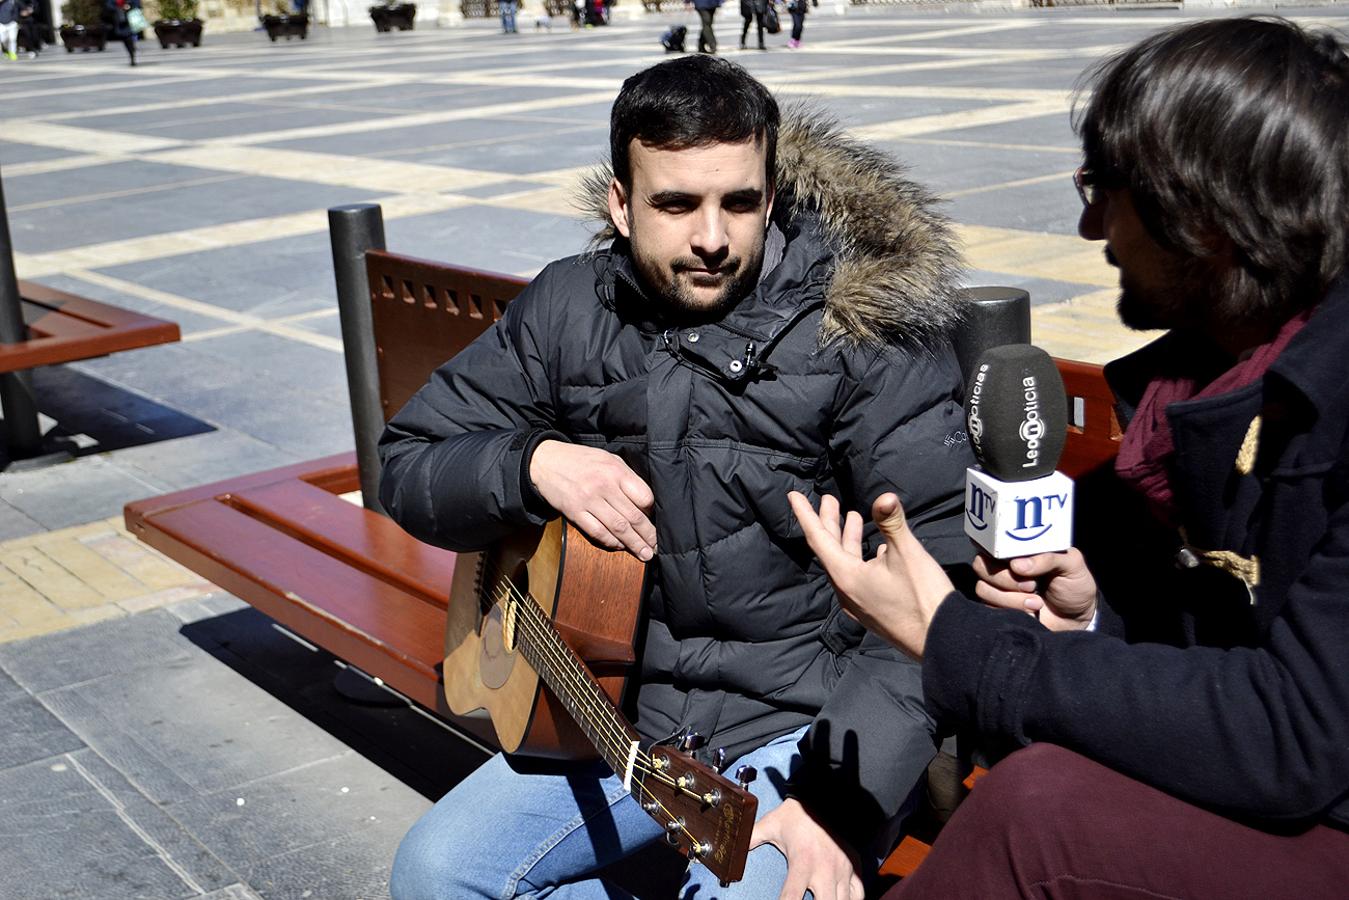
[160, 738]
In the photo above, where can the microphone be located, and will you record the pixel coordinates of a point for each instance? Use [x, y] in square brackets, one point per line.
[1017, 419]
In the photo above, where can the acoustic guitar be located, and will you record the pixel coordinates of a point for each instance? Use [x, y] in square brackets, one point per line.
[548, 608]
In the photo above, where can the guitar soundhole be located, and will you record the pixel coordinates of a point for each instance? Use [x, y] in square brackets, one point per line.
[499, 622]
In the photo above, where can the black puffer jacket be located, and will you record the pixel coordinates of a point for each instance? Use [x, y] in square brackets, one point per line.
[834, 376]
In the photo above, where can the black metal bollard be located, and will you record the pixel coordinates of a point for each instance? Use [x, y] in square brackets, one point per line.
[354, 229]
[997, 316]
[23, 437]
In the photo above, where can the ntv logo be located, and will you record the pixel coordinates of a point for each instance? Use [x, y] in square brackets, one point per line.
[1028, 511]
[979, 506]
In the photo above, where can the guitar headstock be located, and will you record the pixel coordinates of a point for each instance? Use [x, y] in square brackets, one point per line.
[706, 816]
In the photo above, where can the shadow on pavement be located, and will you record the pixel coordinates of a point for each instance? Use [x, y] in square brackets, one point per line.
[400, 740]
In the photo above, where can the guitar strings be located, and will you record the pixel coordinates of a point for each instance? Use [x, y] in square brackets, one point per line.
[547, 636]
[620, 739]
[617, 739]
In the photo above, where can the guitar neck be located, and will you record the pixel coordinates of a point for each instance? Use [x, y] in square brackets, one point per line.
[704, 815]
[572, 683]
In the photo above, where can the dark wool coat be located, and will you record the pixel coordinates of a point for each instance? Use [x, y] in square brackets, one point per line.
[1232, 691]
[835, 375]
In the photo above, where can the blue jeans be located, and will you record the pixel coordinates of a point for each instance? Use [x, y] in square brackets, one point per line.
[520, 828]
[507, 9]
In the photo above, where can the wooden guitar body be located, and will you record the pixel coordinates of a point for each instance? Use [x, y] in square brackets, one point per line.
[540, 635]
[593, 597]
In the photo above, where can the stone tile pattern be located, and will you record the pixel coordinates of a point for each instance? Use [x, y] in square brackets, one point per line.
[163, 740]
[88, 573]
[196, 751]
[196, 187]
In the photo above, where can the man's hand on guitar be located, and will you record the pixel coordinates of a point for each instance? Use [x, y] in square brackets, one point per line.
[598, 493]
[815, 861]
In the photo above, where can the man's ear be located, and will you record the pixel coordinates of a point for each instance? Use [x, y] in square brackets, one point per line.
[618, 208]
[768, 207]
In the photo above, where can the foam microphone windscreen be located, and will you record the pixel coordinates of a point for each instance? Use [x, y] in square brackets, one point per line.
[1016, 412]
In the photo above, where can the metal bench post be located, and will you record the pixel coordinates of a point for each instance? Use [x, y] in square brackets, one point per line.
[997, 316]
[354, 229]
[23, 437]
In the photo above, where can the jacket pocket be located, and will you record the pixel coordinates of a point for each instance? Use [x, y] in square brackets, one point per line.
[841, 634]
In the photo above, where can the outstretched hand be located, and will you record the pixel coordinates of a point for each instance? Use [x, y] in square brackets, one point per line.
[894, 594]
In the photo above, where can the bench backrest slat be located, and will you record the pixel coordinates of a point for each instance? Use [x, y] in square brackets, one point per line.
[1093, 430]
[423, 313]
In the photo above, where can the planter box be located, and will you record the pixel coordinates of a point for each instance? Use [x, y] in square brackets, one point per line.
[83, 37]
[389, 17]
[176, 33]
[287, 26]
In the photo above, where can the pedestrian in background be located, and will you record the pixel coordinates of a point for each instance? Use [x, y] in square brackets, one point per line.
[507, 8]
[114, 17]
[707, 11]
[9, 28]
[797, 8]
[30, 32]
[752, 10]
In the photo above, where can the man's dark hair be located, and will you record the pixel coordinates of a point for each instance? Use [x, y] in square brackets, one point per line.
[692, 101]
[1236, 129]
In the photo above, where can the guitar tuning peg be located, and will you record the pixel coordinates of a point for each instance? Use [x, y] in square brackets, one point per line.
[746, 774]
[718, 759]
[690, 741]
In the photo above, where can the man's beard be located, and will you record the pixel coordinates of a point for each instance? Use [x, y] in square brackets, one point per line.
[668, 280]
[1187, 297]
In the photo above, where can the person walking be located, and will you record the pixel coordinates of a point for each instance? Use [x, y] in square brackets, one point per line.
[29, 30]
[752, 11]
[9, 28]
[797, 9]
[508, 8]
[707, 11]
[114, 17]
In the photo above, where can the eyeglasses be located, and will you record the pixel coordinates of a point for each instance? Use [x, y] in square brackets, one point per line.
[1087, 188]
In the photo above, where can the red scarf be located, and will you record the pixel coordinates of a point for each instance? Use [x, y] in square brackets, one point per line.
[1145, 452]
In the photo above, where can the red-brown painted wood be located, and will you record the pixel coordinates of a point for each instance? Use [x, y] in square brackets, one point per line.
[64, 328]
[1096, 440]
[424, 313]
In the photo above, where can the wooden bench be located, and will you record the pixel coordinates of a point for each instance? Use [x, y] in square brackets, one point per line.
[58, 328]
[293, 543]
[286, 541]
[64, 328]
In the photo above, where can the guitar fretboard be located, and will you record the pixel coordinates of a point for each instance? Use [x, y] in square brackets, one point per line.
[571, 682]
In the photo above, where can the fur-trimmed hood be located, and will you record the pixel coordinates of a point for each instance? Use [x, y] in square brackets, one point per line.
[896, 262]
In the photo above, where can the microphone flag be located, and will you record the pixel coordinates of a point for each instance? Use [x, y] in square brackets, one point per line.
[1017, 419]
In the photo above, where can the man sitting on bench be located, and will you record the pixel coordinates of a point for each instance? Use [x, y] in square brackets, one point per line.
[1206, 754]
[769, 315]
